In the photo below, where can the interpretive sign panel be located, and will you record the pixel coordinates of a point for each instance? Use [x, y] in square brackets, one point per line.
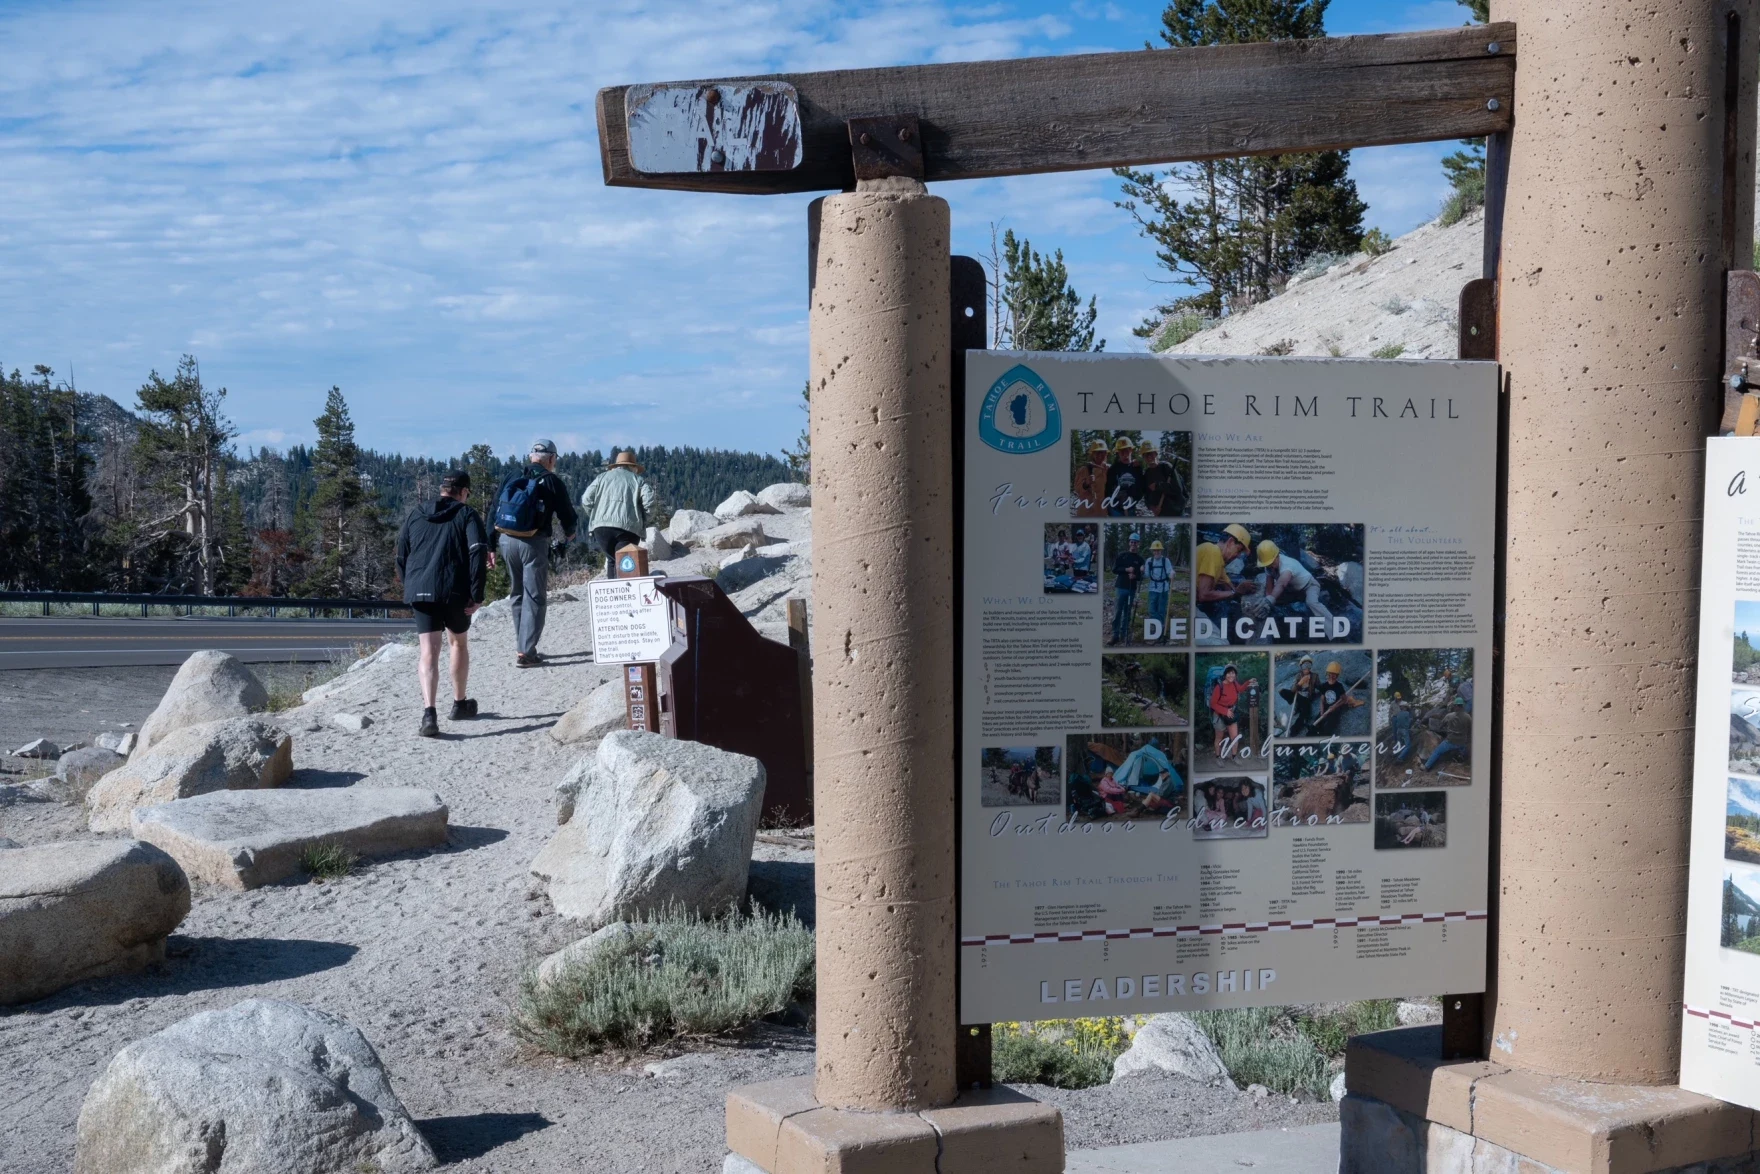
[1720, 1047]
[1224, 620]
[631, 620]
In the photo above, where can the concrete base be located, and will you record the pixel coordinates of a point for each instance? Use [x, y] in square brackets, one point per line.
[780, 1128]
[1408, 1112]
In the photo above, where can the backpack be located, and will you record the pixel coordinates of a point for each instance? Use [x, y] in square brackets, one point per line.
[518, 510]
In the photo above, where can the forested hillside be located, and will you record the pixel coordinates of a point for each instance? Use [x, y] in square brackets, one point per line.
[156, 497]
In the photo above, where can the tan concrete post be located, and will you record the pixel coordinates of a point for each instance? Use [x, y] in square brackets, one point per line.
[883, 680]
[1619, 219]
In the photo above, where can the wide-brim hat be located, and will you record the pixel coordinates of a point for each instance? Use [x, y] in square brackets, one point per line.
[626, 460]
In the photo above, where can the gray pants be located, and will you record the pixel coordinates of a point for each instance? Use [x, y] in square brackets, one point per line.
[528, 566]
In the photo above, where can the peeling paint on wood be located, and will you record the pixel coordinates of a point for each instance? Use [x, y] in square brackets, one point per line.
[727, 126]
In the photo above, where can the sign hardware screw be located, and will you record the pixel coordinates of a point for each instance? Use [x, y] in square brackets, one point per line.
[904, 134]
[1493, 48]
[866, 138]
[717, 156]
[1492, 104]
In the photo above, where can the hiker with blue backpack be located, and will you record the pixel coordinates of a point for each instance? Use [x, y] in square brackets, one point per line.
[620, 506]
[526, 511]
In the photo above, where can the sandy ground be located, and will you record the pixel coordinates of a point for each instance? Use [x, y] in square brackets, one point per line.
[423, 952]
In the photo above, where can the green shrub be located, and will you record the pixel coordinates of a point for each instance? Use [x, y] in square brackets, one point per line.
[1063, 1053]
[1178, 328]
[679, 975]
[1331, 1030]
[1376, 242]
[328, 861]
[1392, 350]
[1291, 1051]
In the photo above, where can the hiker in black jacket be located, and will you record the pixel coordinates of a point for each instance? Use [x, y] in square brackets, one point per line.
[441, 555]
[524, 516]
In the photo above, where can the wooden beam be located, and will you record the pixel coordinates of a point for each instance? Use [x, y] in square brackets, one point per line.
[1044, 114]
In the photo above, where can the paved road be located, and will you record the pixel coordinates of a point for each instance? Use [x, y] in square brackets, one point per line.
[91, 642]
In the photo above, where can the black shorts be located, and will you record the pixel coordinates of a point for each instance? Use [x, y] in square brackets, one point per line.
[431, 617]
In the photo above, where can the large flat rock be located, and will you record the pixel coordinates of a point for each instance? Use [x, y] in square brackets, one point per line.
[83, 909]
[243, 839]
[238, 754]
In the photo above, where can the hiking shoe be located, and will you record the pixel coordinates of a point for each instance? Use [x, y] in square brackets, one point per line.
[464, 710]
[526, 660]
[430, 724]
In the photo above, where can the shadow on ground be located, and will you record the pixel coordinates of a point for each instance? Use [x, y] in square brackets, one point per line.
[310, 778]
[461, 838]
[459, 1139]
[201, 964]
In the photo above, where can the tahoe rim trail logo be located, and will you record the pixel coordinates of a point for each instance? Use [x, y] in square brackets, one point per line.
[1020, 415]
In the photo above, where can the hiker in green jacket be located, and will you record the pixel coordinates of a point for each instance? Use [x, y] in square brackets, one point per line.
[618, 505]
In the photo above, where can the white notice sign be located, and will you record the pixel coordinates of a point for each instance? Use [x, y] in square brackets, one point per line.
[1720, 1044]
[631, 620]
[1224, 624]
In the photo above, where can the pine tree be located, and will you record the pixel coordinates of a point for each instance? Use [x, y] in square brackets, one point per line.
[45, 500]
[345, 531]
[181, 450]
[1249, 223]
[1039, 309]
[800, 457]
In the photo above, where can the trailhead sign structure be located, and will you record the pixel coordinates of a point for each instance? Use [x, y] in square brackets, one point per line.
[1623, 148]
[1173, 795]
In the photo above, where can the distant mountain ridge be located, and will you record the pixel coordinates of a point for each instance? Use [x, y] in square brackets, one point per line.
[1744, 797]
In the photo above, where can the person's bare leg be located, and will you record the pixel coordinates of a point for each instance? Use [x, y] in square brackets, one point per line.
[428, 667]
[461, 664]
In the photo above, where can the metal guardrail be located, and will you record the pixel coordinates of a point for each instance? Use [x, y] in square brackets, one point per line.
[232, 603]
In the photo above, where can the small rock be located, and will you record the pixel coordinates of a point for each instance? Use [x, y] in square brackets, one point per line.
[790, 495]
[738, 556]
[740, 503]
[1337, 1089]
[6, 843]
[582, 951]
[775, 550]
[659, 550]
[734, 535]
[261, 1085]
[354, 723]
[80, 769]
[1173, 1043]
[1258, 1091]
[122, 743]
[210, 686]
[1413, 1012]
[84, 909]
[687, 524]
[40, 748]
[602, 711]
[241, 753]
[672, 824]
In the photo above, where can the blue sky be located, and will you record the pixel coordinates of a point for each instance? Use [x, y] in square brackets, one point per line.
[406, 201]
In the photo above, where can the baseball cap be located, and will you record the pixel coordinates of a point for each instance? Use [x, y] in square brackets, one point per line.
[547, 447]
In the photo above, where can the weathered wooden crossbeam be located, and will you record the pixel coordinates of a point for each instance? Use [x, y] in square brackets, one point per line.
[1041, 114]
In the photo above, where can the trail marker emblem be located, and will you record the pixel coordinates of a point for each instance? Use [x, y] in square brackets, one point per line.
[1020, 414]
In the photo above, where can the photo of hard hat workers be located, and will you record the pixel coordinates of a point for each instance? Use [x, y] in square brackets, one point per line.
[1324, 693]
[1278, 583]
[1130, 473]
[1424, 718]
[1147, 596]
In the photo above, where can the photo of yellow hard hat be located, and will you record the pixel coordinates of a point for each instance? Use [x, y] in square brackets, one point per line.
[1335, 667]
[1267, 553]
[1123, 445]
[1157, 545]
[1096, 445]
[1239, 533]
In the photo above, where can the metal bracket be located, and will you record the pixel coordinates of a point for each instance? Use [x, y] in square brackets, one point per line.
[1741, 353]
[1478, 319]
[887, 146]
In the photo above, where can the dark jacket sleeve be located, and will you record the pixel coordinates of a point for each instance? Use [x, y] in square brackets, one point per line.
[558, 491]
[478, 539]
[402, 548]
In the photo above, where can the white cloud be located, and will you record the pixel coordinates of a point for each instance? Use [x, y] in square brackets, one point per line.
[407, 201]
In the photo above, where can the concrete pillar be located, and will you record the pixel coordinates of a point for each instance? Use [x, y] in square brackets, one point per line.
[883, 500]
[1621, 221]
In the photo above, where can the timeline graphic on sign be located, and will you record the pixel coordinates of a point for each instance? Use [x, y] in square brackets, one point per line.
[1223, 619]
